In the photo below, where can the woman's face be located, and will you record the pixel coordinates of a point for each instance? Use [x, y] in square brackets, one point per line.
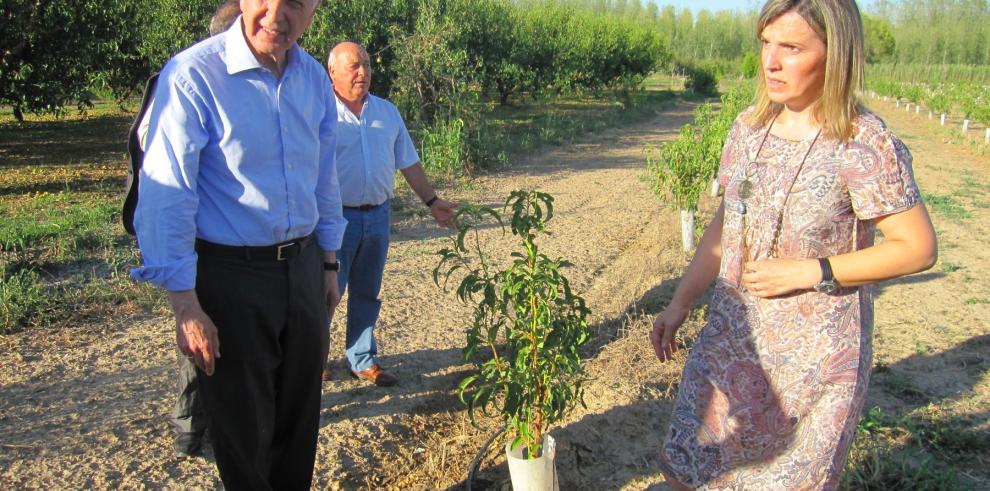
[793, 61]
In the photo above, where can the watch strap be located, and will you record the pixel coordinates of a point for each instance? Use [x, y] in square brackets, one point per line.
[827, 276]
[331, 266]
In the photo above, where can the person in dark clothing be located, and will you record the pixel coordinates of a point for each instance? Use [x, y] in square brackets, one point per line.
[238, 217]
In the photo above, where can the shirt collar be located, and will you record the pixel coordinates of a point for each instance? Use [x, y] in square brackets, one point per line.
[343, 105]
[239, 55]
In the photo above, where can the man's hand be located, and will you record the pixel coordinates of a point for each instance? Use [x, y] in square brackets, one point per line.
[775, 277]
[442, 211]
[195, 333]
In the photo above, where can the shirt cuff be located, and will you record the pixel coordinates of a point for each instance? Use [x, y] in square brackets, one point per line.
[175, 277]
[331, 235]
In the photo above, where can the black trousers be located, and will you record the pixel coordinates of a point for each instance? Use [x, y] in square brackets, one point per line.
[263, 399]
[187, 415]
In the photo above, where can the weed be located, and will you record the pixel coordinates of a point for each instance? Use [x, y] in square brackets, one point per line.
[977, 301]
[947, 206]
[875, 465]
[22, 300]
[444, 149]
[947, 435]
[950, 267]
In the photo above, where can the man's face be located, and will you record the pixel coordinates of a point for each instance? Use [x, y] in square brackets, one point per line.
[351, 72]
[273, 26]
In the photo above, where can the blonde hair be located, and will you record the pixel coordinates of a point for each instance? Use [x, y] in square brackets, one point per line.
[839, 25]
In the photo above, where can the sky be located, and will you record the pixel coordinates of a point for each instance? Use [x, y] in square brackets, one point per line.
[711, 5]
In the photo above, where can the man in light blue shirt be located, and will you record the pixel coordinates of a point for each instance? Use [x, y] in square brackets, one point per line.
[372, 144]
[238, 200]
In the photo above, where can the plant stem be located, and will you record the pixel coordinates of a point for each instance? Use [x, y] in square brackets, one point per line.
[537, 425]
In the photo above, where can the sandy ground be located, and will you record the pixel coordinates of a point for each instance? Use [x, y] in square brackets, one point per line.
[86, 406]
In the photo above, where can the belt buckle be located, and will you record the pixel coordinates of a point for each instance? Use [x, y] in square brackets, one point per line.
[278, 255]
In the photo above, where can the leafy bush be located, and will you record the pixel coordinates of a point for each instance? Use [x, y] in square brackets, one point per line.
[444, 149]
[750, 65]
[527, 321]
[702, 79]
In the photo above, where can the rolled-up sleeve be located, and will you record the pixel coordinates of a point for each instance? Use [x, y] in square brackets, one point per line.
[166, 213]
[331, 224]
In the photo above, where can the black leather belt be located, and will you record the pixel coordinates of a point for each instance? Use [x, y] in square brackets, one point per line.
[278, 252]
[363, 207]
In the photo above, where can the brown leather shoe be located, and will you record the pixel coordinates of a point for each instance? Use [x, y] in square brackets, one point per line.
[375, 374]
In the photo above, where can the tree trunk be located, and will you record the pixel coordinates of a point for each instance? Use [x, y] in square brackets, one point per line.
[18, 115]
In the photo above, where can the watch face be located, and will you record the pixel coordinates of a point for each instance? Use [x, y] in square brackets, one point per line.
[826, 287]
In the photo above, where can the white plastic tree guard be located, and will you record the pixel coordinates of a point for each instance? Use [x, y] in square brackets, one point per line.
[687, 230]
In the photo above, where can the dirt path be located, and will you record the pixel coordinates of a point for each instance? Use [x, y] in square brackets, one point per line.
[83, 408]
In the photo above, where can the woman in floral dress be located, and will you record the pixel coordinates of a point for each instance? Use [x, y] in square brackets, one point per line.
[775, 383]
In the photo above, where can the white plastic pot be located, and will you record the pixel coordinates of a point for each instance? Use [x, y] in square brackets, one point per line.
[539, 474]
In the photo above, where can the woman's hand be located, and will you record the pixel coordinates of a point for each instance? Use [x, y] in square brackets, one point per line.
[664, 328]
[775, 277]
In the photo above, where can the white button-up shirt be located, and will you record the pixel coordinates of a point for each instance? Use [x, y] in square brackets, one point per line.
[370, 149]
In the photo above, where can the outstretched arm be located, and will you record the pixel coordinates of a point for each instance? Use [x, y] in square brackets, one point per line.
[441, 209]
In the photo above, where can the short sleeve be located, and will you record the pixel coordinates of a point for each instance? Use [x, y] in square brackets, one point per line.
[731, 149]
[878, 175]
[405, 151]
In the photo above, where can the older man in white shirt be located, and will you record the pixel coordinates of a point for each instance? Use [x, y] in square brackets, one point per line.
[372, 143]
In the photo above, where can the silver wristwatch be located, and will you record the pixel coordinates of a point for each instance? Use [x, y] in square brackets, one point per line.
[828, 283]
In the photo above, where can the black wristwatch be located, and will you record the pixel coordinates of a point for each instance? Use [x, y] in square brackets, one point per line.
[432, 200]
[334, 266]
[828, 283]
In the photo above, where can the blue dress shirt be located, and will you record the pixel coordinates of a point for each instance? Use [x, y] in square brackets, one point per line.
[235, 156]
[370, 148]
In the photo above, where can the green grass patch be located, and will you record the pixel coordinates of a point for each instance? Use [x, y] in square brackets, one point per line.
[69, 223]
[977, 301]
[64, 256]
[923, 449]
[947, 206]
[950, 267]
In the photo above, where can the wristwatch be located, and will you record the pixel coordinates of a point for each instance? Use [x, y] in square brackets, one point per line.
[828, 283]
[334, 266]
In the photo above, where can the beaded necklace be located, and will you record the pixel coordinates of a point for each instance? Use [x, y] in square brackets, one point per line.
[745, 192]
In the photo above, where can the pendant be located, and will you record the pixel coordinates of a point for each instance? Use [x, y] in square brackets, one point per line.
[741, 207]
[746, 189]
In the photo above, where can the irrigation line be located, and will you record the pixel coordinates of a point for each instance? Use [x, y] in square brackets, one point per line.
[477, 458]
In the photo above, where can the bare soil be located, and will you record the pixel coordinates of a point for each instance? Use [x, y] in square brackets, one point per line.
[86, 406]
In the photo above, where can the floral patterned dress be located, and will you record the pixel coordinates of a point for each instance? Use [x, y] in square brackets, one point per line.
[773, 388]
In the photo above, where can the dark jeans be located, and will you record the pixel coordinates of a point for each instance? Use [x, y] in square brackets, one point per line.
[263, 399]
